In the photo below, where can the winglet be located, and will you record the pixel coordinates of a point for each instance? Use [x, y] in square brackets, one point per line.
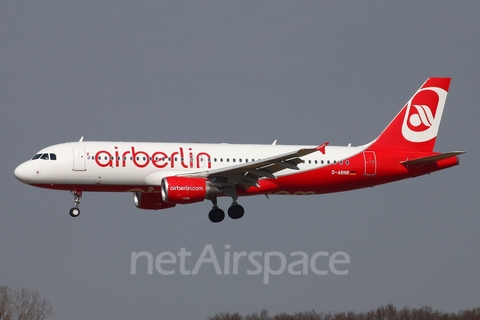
[321, 147]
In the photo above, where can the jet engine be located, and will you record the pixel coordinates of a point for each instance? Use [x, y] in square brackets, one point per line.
[183, 190]
[150, 201]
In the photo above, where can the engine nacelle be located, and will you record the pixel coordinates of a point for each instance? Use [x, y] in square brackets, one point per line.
[183, 190]
[150, 201]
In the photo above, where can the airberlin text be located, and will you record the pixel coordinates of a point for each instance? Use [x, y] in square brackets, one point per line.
[158, 159]
[266, 264]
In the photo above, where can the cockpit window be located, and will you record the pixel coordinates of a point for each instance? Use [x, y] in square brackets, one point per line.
[45, 156]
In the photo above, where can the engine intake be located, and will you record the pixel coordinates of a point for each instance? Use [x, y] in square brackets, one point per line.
[183, 190]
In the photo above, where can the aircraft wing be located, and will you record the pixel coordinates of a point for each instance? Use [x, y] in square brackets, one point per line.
[248, 174]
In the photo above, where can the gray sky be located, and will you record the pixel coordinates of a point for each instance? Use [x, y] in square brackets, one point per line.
[302, 72]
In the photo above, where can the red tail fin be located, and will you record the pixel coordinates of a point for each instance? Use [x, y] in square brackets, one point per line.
[416, 126]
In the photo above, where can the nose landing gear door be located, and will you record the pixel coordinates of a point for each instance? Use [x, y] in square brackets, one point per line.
[79, 159]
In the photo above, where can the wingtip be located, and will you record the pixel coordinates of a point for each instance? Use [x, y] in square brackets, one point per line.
[321, 147]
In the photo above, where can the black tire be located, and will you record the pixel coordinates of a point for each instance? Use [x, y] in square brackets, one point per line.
[236, 211]
[216, 215]
[74, 212]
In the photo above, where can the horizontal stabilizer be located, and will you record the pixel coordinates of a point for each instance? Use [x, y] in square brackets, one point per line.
[431, 159]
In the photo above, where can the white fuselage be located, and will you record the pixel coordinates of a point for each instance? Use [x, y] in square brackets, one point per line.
[145, 164]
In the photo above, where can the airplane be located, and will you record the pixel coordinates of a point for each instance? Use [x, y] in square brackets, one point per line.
[163, 175]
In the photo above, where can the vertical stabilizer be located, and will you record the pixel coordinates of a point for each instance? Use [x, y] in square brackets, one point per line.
[416, 126]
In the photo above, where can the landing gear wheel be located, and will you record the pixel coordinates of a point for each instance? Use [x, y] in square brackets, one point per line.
[74, 212]
[216, 215]
[236, 211]
[77, 198]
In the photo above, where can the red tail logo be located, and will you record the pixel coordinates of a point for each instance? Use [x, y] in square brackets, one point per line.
[423, 114]
[416, 126]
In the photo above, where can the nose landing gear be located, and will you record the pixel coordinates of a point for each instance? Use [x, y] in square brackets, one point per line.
[77, 198]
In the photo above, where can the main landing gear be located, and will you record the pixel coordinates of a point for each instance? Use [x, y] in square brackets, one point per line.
[235, 211]
[77, 196]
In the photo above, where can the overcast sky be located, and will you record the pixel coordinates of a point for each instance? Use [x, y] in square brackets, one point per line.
[302, 72]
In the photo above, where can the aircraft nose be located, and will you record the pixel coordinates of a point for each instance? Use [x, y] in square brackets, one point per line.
[22, 172]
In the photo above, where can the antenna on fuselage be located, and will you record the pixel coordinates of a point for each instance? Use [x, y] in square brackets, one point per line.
[81, 139]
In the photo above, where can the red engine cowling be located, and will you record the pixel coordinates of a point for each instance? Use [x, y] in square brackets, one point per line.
[150, 201]
[183, 190]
